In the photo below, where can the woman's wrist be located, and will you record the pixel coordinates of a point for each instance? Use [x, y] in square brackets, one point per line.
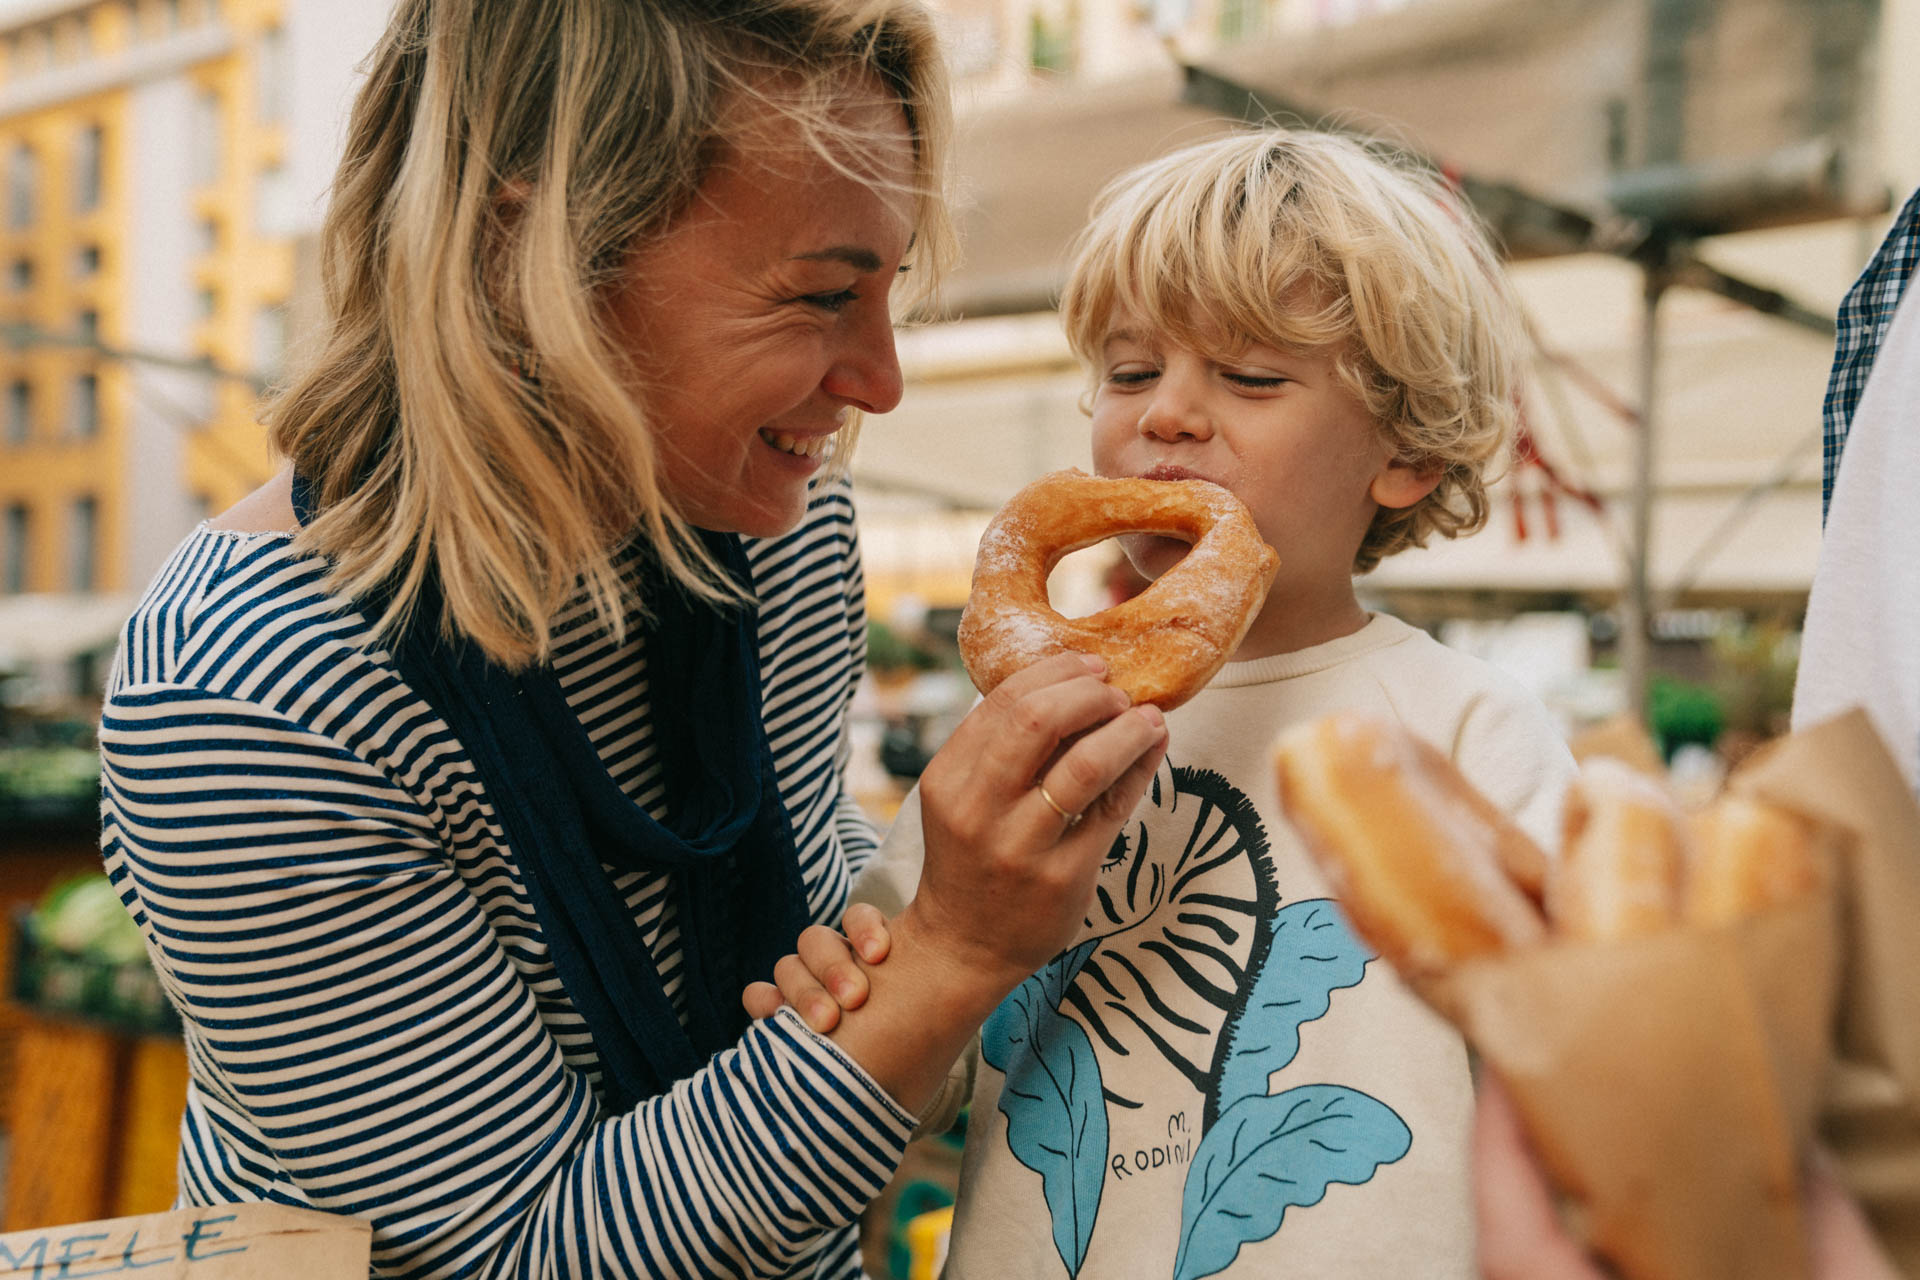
[925, 1002]
[971, 978]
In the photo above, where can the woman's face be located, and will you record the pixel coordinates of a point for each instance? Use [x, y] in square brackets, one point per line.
[760, 317]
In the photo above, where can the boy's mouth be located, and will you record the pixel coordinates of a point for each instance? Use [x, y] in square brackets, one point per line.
[1166, 471]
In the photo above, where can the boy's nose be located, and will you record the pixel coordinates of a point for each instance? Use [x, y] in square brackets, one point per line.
[1175, 417]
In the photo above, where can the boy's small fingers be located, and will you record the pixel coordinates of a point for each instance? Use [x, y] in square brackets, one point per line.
[800, 989]
[822, 1014]
[829, 957]
[761, 999]
[866, 927]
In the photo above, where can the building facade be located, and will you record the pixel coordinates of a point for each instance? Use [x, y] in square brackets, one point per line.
[160, 162]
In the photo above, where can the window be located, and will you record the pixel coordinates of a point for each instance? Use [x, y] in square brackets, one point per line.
[19, 529]
[170, 15]
[83, 414]
[23, 177]
[273, 212]
[209, 235]
[20, 275]
[87, 326]
[205, 143]
[83, 521]
[1050, 42]
[76, 44]
[88, 158]
[271, 72]
[1242, 19]
[209, 302]
[19, 411]
[86, 260]
[269, 339]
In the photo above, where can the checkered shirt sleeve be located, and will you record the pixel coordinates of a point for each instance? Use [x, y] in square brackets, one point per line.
[1864, 317]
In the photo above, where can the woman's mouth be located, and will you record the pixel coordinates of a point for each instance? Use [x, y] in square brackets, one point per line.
[798, 446]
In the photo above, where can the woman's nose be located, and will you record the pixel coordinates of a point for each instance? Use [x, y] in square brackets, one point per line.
[866, 373]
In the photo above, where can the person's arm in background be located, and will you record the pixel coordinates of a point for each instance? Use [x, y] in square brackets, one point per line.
[1861, 643]
[1861, 646]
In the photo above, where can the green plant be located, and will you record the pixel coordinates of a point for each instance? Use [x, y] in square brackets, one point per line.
[1681, 712]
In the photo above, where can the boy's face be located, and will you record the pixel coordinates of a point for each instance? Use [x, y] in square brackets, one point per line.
[1276, 427]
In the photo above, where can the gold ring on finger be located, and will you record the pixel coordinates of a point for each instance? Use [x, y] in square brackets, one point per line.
[1055, 805]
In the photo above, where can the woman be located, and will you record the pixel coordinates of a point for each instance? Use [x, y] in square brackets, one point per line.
[462, 777]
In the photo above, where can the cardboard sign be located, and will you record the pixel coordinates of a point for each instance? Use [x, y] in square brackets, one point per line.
[223, 1242]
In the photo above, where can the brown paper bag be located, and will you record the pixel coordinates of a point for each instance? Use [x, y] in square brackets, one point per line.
[1841, 773]
[1672, 1083]
[1669, 1085]
[224, 1242]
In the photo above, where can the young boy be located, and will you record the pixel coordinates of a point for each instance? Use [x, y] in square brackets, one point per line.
[1215, 1080]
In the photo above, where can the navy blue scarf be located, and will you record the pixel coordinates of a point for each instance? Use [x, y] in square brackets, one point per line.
[726, 846]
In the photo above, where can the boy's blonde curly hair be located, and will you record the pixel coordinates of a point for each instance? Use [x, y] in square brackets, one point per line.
[1298, 239]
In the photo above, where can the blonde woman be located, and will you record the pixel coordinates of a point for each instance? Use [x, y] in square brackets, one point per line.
[461, 777]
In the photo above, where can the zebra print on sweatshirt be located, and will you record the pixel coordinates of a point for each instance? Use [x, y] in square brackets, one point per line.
[372, 1021]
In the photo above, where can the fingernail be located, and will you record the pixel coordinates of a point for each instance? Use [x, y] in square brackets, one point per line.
[1097, 665]
[871, 953]
[1151, 714]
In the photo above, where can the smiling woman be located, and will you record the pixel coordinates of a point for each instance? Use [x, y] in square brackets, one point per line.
[460, 779]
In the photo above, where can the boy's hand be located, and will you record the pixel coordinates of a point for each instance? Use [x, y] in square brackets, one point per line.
[824, 978]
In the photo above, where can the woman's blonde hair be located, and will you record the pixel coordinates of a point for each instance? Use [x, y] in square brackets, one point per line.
[467, 415]
[1300, 239]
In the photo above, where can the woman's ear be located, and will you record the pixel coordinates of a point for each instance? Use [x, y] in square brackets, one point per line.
[1401, 484]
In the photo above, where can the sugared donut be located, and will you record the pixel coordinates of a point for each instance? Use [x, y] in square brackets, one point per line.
[1163, 645]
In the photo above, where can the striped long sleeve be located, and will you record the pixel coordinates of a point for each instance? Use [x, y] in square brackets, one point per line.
[373, 1025]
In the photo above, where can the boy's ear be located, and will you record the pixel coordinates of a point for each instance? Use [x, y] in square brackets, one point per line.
[1401, 484]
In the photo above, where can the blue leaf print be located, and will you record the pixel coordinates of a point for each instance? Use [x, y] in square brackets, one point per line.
[1268, 1154]
[1313, 954]
[1056, 1114]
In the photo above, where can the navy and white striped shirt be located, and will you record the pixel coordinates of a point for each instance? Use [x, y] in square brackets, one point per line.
[373, 1022]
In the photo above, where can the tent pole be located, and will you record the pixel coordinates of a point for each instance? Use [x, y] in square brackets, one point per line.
[1636, 600]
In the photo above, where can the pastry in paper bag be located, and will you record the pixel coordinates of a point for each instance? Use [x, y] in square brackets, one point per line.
[1660, 1010]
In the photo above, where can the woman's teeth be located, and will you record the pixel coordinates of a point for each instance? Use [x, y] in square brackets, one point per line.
[804, 447]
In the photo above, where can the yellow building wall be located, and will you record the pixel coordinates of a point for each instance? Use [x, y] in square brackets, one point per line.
[246, 270]
[55, 467]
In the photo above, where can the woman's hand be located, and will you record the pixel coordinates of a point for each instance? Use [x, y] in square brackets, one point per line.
[1008, 871]
[823, 978]
[1017, 811]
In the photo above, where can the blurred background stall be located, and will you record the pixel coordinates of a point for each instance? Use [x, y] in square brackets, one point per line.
[1686, 188]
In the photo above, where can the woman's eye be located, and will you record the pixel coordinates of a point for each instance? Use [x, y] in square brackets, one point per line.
[1258, 381]
[1132, 377]
[831, 301]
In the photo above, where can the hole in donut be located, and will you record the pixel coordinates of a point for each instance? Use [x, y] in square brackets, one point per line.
[1093, 578]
